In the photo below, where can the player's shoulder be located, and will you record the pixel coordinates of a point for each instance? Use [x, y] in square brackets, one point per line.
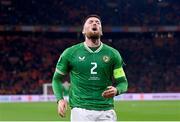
[110, 49]
[113, 52]
[72, 49]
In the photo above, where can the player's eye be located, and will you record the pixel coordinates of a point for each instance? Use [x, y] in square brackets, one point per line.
[98, 22]
[90, 22]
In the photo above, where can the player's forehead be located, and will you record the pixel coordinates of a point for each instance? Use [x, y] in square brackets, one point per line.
[93, 19]
[90, 20]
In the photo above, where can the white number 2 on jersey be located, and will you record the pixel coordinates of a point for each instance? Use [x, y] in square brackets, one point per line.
[93, 68]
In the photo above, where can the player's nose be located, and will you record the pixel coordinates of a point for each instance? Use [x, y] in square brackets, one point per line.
[94, 24]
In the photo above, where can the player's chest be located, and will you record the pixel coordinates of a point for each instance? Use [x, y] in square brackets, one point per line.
[91, 62]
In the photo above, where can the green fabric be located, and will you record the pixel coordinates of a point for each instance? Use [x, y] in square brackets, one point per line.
[90, 74]
[121, 85]
[57, 86]
[93, 48]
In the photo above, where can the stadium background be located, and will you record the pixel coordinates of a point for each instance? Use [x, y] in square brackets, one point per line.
[34, 33]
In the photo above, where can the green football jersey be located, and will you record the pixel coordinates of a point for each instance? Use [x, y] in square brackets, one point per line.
[90, 74]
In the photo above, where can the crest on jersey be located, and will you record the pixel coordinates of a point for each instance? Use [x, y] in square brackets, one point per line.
[106, 58]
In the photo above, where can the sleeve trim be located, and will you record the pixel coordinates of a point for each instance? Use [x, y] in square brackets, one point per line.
[58, 71]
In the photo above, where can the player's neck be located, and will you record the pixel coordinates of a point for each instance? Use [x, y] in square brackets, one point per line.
[93, 42]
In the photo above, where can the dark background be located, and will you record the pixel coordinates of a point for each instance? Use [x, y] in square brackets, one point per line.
[28, 56]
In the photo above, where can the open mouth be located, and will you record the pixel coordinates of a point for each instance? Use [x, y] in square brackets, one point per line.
[94, 29]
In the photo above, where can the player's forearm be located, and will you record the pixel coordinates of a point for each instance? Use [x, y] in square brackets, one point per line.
[121, 84]
[57, 85]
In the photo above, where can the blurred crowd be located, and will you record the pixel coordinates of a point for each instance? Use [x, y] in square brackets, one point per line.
[152, 65]
[71, 13]
[27, 62]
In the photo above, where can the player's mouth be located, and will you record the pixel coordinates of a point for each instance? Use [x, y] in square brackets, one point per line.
[94, 29]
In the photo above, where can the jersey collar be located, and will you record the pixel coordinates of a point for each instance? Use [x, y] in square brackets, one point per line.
[89, 49]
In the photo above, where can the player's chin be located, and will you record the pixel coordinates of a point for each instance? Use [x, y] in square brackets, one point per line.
[93, 35]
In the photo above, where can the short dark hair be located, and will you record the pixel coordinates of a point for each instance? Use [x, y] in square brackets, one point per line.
[91, 15]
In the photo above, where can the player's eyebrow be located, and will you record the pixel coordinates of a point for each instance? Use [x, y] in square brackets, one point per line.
[90, 21]
[97, 21]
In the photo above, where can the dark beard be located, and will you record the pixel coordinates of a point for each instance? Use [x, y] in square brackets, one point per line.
[93, 36]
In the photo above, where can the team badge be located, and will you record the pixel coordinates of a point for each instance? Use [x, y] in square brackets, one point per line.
[106, 59]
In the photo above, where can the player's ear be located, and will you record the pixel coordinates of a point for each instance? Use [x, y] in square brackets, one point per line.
[83, 31]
